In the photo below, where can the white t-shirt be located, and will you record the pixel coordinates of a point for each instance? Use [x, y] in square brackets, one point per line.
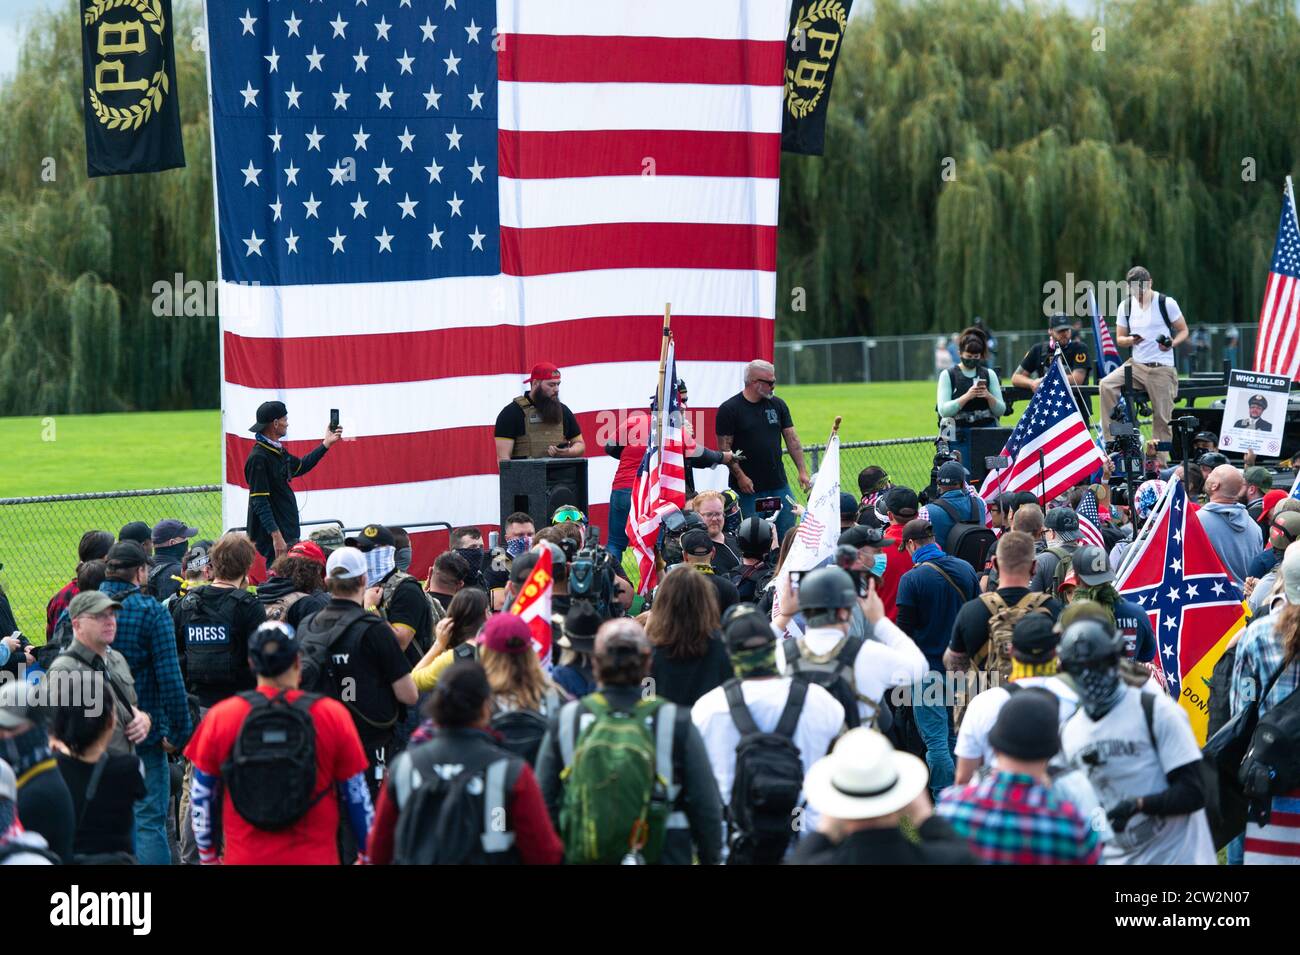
[890, 659]
[982, 713]
[1117, 756]
[820, 722]
[1148, 323]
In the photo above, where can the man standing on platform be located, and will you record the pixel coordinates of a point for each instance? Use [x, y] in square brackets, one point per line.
[536, 424]
[754, 422]
[272, 508]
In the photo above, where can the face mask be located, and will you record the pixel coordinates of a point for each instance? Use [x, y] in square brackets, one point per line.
[970, 362]
[379, 564]
[519, 546]
[1099, 689]
[402, 558]
[878, 566]
[473, 556]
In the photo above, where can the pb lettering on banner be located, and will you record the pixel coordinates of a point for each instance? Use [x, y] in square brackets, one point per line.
[812, 50]
[132, 118]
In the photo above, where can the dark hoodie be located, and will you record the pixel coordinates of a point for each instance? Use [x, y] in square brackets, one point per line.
[242, 613]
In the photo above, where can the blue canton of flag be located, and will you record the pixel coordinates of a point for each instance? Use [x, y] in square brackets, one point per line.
[380, 163]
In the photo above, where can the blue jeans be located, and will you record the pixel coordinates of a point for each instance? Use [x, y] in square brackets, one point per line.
[151, 846]
[934, 723]
[1237, 850]
[784, 519]
[620, 505]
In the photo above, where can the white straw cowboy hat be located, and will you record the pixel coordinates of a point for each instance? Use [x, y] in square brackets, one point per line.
[864, 778]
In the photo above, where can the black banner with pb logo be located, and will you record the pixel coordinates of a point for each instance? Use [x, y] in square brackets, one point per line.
[812, 49]
[133, 122]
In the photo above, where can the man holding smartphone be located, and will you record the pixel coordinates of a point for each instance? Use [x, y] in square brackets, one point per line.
[272, 507]
[1152, 324]
[755, 421]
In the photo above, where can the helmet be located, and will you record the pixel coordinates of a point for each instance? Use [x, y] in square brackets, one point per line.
[730, 498]
[1211, 459]
[1089, 643]
[827, 588]
[755, 537]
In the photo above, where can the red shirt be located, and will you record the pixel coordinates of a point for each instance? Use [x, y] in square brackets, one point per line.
[339, 757]
[58, 603]
[897, 563]
[637, 435]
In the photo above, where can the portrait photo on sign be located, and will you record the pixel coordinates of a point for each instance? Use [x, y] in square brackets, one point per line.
[1254, 415]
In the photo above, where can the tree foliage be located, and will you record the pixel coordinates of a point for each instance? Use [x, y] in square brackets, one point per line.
[1069, 150]
[1073, 146]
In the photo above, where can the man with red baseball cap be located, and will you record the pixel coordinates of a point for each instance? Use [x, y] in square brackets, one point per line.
[536, 424]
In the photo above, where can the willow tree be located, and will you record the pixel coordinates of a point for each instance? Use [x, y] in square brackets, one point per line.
[79, 257]
[978, 150]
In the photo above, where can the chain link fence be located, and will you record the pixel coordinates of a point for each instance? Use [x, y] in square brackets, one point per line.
[907, 461]
[39, 537]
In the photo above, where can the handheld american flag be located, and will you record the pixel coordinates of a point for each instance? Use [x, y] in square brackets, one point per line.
[661, 477]
[814, 541]
[1277, 349]
[1090, 520]
[1194, 607]
[1107, 354]
[1050, 449]
[417, 202]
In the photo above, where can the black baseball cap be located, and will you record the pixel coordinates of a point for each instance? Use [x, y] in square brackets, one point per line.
[1059, 320]
[267, 412]
[1209, 436]
[917, 530]
[272, 648]
[902, 501]
[697, 543]
[1064, 521]
[126, 554]
[169, 528]
[848, 505]
[860, 535]
[372, 536]
[1034, 638]
[952, 474]
[137, 531]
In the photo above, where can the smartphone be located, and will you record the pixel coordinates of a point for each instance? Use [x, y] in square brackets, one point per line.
[334, 419]
[767, 505]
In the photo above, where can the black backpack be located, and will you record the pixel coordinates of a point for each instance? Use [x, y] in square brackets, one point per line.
[319, 674]
[160, 578]
[205, 624]
[522, 731]
[834, 675]
[448, 818]
[271, 771]
[750, 581]
[768, 780]
[1272, 764]
[969, 541]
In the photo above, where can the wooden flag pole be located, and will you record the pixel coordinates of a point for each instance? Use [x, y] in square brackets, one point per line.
[663, 368]
[835, 428]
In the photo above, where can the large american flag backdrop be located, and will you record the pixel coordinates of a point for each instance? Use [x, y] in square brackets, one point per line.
[417, 200]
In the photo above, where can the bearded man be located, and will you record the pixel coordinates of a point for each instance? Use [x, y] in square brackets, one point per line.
[536, 424]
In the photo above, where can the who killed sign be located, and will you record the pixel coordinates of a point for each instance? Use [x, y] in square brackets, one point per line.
[132, 118]
[1254, 416]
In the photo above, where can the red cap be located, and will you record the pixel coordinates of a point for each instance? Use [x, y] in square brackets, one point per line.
[507, 633]
[544, 371]
[309, 549]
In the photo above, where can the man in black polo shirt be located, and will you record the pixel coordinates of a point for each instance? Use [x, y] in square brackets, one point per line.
[402, 601]
[1038, 361]
[272, 508]
[754, 422]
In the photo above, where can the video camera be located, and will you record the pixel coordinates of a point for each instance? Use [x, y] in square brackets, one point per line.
[591, 576]
[943, 453]
[673, 525]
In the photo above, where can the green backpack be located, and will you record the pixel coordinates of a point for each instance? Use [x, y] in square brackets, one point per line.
[617, 781]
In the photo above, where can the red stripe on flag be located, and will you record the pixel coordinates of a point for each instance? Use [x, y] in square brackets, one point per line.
[1289, 820]
[1272, 847]
[540, 58]
[582, 153]
[416, 456]
[637, 245]
[277, 363]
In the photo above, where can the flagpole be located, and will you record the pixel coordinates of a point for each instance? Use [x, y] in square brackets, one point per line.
[663, 367]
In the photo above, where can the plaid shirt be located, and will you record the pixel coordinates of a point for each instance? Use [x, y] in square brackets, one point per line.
[1259, 656]
[146, 637]
[59, 603]
[1013, 819]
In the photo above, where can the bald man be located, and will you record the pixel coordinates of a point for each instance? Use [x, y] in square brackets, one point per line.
[1235, 537]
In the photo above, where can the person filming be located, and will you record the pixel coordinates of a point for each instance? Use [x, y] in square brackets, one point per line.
[970, 394]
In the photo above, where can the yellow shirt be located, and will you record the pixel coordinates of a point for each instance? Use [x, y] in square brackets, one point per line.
[427, 676]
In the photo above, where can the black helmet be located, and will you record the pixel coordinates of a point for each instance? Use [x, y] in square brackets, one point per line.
[755, 537]
[1089, 643]
[693, 520]
[827, 588]
[1211, 459]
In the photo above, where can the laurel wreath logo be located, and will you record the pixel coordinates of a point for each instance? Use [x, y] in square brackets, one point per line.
[140, 112]
[800, 106]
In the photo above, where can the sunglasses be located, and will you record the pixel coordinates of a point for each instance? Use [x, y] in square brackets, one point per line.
[766, 381]
[566, 514]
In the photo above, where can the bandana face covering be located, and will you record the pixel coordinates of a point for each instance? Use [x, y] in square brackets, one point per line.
[473, 556]
[402, 558]
[760, 661]
[518, 546]
[1099, 689]
[379, 564]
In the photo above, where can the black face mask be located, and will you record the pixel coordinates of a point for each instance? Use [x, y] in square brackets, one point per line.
[473, 556]
[970, 362]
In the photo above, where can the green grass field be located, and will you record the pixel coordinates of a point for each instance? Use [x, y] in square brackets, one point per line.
[73, 454]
